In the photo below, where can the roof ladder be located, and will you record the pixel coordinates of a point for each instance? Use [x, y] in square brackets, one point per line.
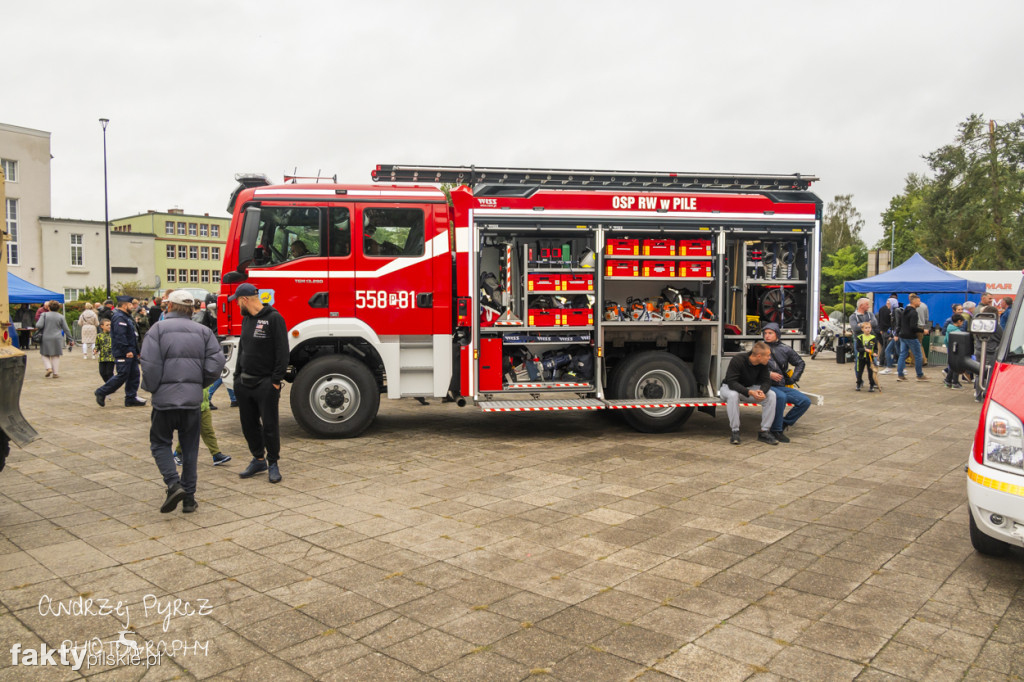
[590, 179]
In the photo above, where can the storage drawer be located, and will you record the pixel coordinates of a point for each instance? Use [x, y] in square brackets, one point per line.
[622, 247]
[542, 317]
[695, 268]
[490, 364]
[659, 268]
[544, 282]
[622, 268]
[576, 317]
[659, 247]
[695, 247]
[577, 282]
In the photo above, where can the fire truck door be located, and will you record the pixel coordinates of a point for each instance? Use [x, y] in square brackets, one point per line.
[394, 292]
[341, 260]
[290, 267]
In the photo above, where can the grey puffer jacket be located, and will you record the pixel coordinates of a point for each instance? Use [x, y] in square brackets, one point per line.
[179, 358]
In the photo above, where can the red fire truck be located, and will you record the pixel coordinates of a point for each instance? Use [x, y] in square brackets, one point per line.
[523, 289]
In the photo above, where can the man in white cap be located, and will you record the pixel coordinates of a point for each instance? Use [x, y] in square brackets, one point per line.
[180, 358]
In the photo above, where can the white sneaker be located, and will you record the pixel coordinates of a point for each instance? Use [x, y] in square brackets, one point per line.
[886, 371]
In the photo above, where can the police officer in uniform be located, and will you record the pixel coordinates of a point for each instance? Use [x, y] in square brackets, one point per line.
[124, 345]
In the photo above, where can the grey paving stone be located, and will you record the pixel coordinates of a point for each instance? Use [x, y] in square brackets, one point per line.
[448, 544]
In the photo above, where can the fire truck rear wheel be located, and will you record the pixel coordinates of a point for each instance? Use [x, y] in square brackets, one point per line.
[654, 375]
[335, 396]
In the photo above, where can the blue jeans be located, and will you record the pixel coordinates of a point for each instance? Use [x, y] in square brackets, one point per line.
[783, 395]
[906, 347]
[892, 352]
[215, 385]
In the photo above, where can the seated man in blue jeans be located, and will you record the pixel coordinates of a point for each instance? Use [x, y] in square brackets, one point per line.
[782, 357]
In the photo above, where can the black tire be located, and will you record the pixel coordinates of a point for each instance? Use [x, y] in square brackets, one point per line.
[985, 544]
[335, 396]
[654, 375]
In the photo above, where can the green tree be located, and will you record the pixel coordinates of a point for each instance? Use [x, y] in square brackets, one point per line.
[970, 208]
[848, 263]
[841, 225]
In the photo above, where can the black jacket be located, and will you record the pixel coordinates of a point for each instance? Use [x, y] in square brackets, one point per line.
[782, 357]
[124, 335]
[742, 374]
[908, 325]
[884, 319]
[263, 346]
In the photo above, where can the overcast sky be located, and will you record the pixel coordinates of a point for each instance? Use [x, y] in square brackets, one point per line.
[854, 92]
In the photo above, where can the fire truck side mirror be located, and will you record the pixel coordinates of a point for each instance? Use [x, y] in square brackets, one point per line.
[247, 243]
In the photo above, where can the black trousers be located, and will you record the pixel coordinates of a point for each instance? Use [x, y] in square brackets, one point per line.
[163, 424]
[258, 413]
[863, 360]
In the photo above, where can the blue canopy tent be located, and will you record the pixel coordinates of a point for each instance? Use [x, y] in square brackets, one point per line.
[20, 291]
[938, 289]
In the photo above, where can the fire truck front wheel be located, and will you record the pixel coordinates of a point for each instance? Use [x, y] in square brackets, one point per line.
[654, 376]
[335, 396]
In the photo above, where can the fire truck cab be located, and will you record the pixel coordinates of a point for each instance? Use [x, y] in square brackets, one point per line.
[523, 289]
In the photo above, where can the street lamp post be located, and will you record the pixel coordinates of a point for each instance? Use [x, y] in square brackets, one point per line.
[106, 204]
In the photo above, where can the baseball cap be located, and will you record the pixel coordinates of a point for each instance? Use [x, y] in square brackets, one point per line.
[244, 290]
[181, 297]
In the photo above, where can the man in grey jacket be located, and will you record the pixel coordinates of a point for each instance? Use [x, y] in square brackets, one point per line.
[179, 358]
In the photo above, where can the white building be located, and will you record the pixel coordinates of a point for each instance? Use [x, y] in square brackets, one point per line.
[25, 155]
[74, 256]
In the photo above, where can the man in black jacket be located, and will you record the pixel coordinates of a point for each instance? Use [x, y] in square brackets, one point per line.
[748, 376]
[909, 342]
[259, 373]
[784, 386]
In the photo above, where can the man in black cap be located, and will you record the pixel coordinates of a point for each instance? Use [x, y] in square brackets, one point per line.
[783, 385]
[259, 373]
[124, 345]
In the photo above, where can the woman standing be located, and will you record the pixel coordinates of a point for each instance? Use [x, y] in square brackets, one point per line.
[55, 330]
[89, 321]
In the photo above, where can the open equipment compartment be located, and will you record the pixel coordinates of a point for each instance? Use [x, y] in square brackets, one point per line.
[538, 291]
[768, 282]
[660, 292]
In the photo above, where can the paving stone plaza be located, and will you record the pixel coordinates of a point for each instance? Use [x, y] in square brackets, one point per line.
[454, 545]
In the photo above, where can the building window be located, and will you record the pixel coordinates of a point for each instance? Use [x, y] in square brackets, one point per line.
[76, 249]
[72, 294]
[192, 229]
[169, 227]
[181, 229]
[204, 230]
[12, 232]
[10, 169]
[204, 276]
[172, 275]
[193, 276]
[215, 252]
[170, 251]
[214, 230]
[122, 228]
[182, 251]
[215, 275]
[204, 252]
[193, 252]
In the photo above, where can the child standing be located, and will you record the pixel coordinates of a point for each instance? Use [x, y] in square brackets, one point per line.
[206, 433]
[106, 356]
[865, 342]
